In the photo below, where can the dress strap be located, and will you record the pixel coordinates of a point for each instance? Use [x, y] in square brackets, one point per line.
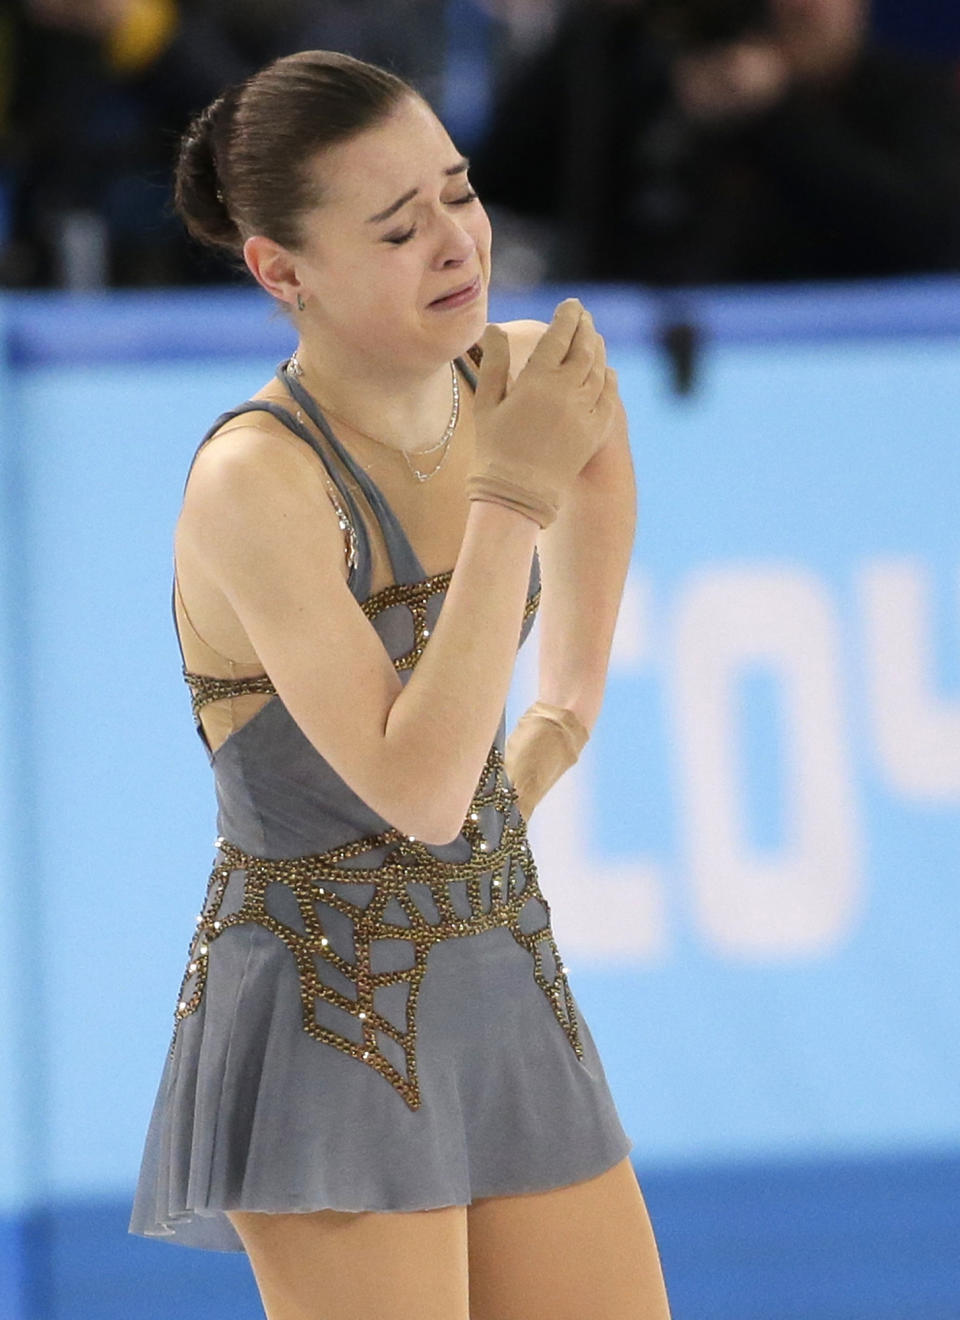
[476, 355]
[404, 561]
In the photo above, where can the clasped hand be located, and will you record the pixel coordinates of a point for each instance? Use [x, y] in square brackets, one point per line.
[535, 434]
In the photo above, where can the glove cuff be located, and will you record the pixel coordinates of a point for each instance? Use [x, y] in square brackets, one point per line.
[544, 743]
[575, 731]
[502, 490]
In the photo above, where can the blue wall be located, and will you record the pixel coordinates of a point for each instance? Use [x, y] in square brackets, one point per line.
[753, 867]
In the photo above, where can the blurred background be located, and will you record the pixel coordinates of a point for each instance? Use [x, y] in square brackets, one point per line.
[753, 867]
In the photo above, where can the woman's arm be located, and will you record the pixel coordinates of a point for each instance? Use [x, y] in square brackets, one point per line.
[584, 554]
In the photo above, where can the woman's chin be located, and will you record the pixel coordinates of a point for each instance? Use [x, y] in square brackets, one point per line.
[475, 324]
[461, 331]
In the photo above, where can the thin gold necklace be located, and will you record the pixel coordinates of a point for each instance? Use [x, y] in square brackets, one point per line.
[295, 368]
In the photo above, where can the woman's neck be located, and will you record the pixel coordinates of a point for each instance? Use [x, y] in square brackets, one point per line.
[402, 410]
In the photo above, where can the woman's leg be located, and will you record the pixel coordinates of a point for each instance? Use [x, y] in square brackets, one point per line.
[367, 1265]
[586, 1249]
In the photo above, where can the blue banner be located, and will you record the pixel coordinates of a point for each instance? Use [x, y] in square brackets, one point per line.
[752, 868]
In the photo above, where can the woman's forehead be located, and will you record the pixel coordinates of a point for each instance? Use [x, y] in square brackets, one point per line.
[408, 150]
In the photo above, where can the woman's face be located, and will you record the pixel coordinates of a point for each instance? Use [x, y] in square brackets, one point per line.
[399, 228]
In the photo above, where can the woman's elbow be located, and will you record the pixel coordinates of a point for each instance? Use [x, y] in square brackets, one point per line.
[432, 815]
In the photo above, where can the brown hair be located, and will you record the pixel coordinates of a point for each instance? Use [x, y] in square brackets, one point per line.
[241, 166]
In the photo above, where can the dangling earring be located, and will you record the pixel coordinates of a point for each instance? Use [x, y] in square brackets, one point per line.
[301, 305]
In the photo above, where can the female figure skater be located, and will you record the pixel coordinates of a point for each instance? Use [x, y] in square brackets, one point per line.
[380, 1085]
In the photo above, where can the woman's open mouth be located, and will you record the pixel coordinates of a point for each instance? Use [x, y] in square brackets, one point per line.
[464, 294]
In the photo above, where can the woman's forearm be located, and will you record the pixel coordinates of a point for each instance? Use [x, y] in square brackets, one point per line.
[584, 555]
[441, 726]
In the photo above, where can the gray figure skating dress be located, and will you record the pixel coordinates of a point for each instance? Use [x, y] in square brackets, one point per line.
[366, 1021]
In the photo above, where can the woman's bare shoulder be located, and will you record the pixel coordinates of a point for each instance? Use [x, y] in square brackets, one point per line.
[247, 446]
[250, 465]
[523, 337]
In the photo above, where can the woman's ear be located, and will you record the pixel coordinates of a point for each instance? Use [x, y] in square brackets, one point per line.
[273, 267]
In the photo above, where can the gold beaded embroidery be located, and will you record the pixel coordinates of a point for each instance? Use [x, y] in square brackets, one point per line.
[351, 548]
[205, 688]
[508, 865]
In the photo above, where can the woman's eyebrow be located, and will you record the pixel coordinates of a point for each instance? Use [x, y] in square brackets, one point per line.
[462, 165]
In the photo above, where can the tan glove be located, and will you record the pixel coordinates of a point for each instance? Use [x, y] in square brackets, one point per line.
[533, 437]
[545, 741]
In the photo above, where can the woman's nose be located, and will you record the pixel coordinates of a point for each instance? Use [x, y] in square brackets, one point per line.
[457, 245]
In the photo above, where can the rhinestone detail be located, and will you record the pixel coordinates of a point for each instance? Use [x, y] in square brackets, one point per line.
[507, 865]
[205, 688]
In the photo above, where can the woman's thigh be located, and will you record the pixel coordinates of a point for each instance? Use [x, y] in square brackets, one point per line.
[368, 1265]
[586, 1249]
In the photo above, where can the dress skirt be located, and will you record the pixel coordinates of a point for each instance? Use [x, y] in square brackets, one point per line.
[395, 1046]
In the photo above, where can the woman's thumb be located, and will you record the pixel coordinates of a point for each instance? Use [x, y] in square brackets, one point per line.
[494, 367]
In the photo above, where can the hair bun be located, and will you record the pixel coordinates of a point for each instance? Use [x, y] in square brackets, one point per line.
[242, 162]
[198, 187]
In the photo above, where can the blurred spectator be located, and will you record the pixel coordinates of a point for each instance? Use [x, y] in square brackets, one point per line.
[522, 27]
[701, 141]
[96, 93]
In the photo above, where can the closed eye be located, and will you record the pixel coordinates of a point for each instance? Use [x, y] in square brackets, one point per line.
[397, 239]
